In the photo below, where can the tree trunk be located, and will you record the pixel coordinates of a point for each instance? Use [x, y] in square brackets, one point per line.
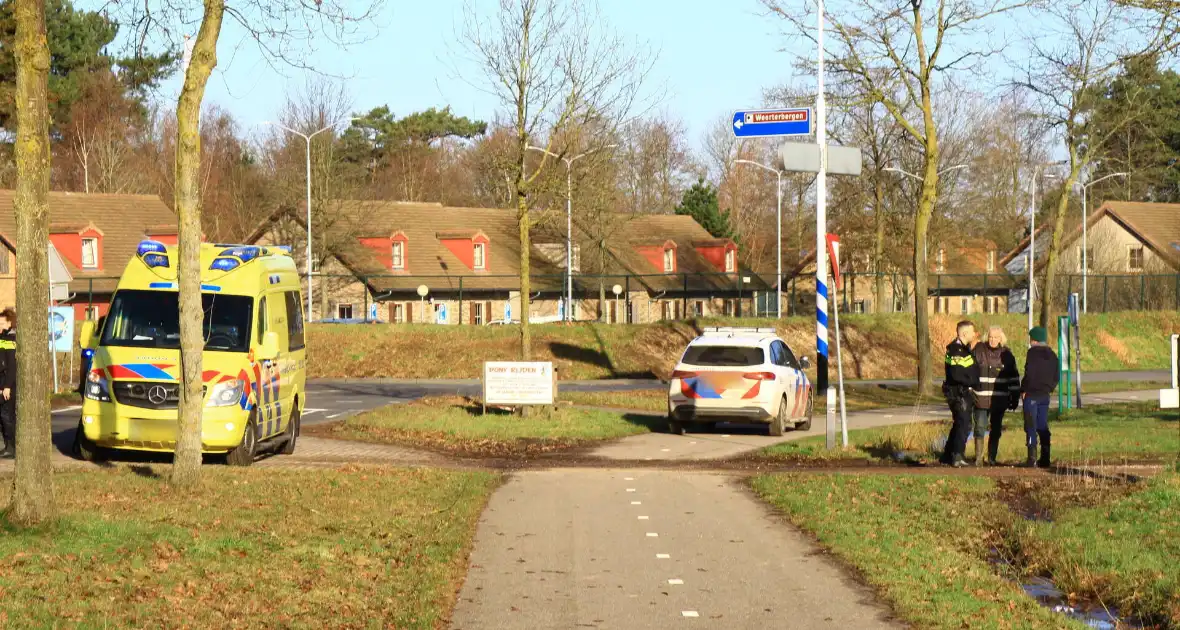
[522, 218]
[32, 496]
[879, 244]
[921, 277]
[187, 463]
[1047, 311]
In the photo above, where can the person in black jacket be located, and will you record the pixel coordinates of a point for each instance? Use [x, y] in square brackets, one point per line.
[998, 391]
[962, 378]
[1040, 379]
[8, 382]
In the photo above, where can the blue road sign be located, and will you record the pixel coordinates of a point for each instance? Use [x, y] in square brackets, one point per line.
[772, 122]
[441, 317]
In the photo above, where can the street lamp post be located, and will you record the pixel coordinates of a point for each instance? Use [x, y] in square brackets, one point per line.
[779, 231]
[1030, 260]
[307, 138]
[1085, 240]
[569, 221]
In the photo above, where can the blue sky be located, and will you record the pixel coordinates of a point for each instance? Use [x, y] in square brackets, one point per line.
[714, 56]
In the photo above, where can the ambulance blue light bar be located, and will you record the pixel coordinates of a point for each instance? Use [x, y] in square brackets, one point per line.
[155, 260]
[244, 254]
[150, 247]
[225, 264]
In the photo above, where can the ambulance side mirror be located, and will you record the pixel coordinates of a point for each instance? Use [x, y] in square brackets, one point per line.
[268, 350]
[86, 338]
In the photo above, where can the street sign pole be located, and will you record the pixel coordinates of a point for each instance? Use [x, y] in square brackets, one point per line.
[821, 230]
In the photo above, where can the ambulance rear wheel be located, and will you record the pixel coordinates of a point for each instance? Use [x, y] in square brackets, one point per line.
[292, 432]
[243, 454]
[675, 427]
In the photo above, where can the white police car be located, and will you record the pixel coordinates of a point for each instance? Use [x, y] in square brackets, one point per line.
[746, 375]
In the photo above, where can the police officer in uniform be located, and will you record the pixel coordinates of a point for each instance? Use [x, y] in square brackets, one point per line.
[8, 382]
[962, 379]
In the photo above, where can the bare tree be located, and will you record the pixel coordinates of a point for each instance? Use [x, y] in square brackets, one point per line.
[283, 31]
[32, 496]
[1067, 80]
[898, 55]
[554, 67]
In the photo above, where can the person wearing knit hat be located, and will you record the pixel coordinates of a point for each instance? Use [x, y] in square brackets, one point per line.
[1040, 379]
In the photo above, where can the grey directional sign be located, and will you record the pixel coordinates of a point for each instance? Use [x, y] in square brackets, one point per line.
[802, 157]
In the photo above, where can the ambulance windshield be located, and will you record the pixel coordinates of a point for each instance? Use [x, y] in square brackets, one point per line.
[151, 319]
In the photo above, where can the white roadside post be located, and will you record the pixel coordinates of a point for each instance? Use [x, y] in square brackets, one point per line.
[1085, 238]
[617, 290]
[834, 253]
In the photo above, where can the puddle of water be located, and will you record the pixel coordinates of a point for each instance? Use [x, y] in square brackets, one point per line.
[1048, 595]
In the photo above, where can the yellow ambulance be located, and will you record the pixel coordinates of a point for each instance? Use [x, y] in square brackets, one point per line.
[254, 360]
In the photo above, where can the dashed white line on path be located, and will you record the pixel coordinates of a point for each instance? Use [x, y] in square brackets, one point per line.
[888, 416]
[350, 402]
[675, 582]
[665, 450]
[630, 489]
[662, 556]
[308, 412]
[643, 518]
[637, 503]
[72, 408]
[652, 535]
[690, 613]
[628, 478]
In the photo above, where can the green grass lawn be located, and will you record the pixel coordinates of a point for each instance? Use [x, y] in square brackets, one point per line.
[456, 426]
[1125, 551]
[255, 548]
[1136, 431]
[921, 542]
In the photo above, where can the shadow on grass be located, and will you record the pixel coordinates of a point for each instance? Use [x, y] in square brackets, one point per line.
[587, 356]
[653, 423]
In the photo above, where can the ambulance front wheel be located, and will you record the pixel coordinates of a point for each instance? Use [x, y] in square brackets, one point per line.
[86, 450]
[243, 454]
[288, 447]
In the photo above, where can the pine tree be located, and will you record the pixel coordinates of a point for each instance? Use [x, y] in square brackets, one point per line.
[700, 203]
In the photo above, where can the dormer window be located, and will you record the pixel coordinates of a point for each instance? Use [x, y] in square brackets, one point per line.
[669, 260]
[730, 261]
[991, 261]
[398, 256]
[90, 253]
[480, 256]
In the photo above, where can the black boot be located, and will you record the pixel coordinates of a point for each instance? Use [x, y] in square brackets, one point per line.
[1045, 447]
[1032, 457]
[993, 448]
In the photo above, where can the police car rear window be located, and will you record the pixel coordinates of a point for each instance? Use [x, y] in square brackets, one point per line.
[722, 356]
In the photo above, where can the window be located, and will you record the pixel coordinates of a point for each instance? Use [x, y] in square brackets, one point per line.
[730, 261]
[399, 313]
[90, 253]
[965, 305]
[1087, 260]
[151, 319]
[92, 313]
[991, 261]
[942, 305]
[4, 262]
[669, 260]
[698, 308]
[479, 258]
[477, 314]
[780, 354]
[438, 313]
[719, 356]
[858, 306]
[344, 311]
[295, 340]
[991, 304]
[940, 261]
[1135, 258]
[398, 260]
[261, 318]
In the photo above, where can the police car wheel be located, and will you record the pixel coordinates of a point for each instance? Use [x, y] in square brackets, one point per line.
[86, 450]
[292, 432]
[779, 422]
[243, 454]
[806, 424]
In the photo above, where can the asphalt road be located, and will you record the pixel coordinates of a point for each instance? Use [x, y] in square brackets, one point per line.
[648, 549]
